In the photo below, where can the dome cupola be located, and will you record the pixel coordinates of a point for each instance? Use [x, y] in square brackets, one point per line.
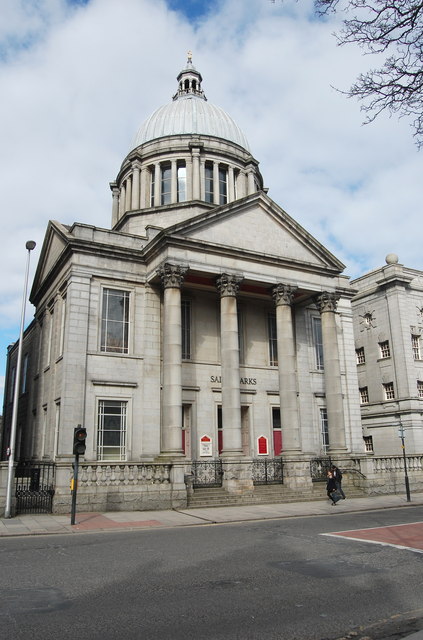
[187, 150]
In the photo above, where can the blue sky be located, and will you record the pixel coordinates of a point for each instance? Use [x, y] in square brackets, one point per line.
[77, 79]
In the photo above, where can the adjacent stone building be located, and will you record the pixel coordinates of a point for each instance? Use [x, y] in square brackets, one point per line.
[388, 327]
[205, 336]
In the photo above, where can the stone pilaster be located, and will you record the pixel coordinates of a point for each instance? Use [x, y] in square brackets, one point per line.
[172, 277]
[228, 286]
[283, 296]
[327, 303]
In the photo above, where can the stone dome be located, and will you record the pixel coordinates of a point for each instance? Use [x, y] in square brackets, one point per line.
[190, 113]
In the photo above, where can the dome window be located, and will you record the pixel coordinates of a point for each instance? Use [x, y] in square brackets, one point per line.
[166, 183]
[182, 182]
[208, 192]
[223, 184]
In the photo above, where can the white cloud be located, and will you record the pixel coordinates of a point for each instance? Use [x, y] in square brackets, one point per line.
[77, 83]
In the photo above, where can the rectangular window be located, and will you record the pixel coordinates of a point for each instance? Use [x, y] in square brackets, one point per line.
[166, 183]
[420, 388]
[415, 344]
[385, 351]
[186, 329]
[364, 395]
[318, 343]
[208, 194]
[388, 389]
[241, 336]
[324, 429]
[115, 321]
[368, 444]
[360, 356]
[223, 185]
[273, 341]
[111, 430]
[182, 182]
[24, 387]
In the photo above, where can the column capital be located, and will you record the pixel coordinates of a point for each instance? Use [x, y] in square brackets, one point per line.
[172, 275]
[327, 301]
[228, 285]
[136, 164]
[283, 294]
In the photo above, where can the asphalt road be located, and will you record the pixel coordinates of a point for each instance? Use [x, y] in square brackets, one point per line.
[257, 580]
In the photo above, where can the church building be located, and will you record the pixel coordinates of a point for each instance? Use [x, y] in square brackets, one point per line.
[206, 338]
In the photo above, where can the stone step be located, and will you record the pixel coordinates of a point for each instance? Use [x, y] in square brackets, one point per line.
[262, 494]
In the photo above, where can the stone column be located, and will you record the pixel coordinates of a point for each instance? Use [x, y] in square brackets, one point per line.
[145, 188]
[157, 185]
[327, 303]
[250, 181]
[283, 296]
[115, 205]
[122, 199]
[196, 174]
[172, 277]
[135, 197]
[189, 180]
[228, 286]
[231, 184]
[128, 197]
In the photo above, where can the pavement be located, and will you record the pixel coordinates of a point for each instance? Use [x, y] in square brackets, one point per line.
[43, 524]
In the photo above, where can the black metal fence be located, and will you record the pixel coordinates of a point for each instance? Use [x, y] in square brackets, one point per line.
[319, 468]
[267, 471]
[207, 473]
[34, 487]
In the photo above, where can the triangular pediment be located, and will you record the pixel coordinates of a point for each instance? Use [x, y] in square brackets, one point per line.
[55, 243]
[258, 225]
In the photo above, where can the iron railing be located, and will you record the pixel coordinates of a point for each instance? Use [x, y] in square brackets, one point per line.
[319, 468]
[207, 473]
[267, 471]
[34, 487]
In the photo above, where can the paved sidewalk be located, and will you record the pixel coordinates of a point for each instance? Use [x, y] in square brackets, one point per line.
[42, 524]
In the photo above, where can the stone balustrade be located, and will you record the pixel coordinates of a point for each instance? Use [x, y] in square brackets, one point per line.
[123, 474]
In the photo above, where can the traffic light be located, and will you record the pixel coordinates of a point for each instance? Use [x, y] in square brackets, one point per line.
[79, 437]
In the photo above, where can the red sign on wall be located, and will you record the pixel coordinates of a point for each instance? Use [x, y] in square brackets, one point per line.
[262, 446]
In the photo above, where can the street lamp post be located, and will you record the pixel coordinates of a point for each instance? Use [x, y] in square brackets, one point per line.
[30, 245]
[401, 435]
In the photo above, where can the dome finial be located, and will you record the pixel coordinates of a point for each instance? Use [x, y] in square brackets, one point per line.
[189, 81]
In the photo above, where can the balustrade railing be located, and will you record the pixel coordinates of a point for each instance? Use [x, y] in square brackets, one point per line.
[103, 474]
[383, 464]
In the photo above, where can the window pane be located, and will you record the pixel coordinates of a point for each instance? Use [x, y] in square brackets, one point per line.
[182, 183]
[209, 183]
[318, 343]
[166, 184]
[223, 185]
[111, 430]
[115, 321]
[273, 343]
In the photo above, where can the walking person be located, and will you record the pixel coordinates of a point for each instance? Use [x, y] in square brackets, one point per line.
[331, 487]
[337, 475]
